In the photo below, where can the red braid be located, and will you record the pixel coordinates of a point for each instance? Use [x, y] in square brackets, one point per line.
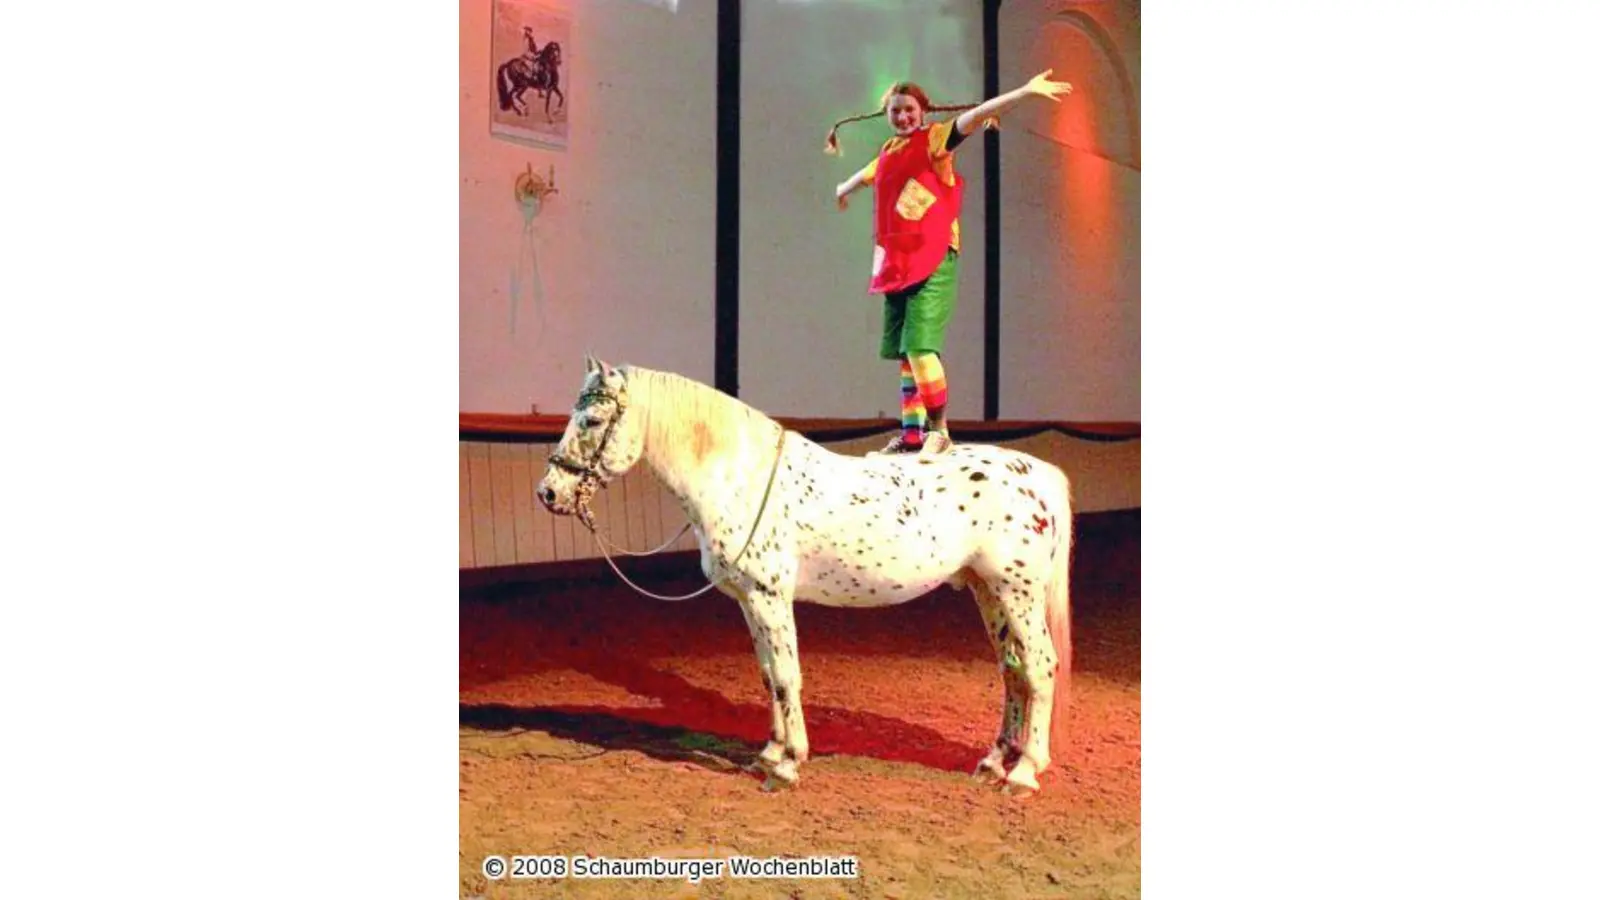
[910, 89]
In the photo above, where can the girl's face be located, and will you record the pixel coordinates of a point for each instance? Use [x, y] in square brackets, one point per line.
[905, 114]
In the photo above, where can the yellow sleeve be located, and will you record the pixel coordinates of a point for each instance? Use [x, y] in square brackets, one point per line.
[944, 161]
[870, 172]
[938, 136]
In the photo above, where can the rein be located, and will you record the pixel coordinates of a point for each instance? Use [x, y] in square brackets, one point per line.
[591, 477]
[771, 477]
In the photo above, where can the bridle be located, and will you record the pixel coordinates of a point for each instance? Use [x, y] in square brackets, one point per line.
[592, 476]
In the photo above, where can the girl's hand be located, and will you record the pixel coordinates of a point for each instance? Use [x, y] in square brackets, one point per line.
[842, 192]
[1040, 85]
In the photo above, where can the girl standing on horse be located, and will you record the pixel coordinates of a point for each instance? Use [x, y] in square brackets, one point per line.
[917, 240]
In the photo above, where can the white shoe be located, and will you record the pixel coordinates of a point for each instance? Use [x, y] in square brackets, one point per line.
[897, 445]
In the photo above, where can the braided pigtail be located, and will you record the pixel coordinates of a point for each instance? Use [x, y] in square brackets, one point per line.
[831, 145]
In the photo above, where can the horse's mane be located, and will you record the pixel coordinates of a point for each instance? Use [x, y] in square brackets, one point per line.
[686, 421]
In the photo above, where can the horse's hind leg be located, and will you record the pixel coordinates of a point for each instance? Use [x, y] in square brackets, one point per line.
[1006, 747]
[1032, 656]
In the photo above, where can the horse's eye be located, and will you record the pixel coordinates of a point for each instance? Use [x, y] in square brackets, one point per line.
[589, 421]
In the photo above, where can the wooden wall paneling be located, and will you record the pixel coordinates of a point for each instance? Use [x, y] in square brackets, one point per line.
[482, 504]
[464, 500]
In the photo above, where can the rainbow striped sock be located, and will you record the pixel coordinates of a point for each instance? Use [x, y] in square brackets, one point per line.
[928, 374]
[912, 413]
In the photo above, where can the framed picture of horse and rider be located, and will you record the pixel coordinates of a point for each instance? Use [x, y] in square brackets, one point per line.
[528, 104]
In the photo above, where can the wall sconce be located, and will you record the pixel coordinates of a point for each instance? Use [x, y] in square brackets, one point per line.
[530, 189]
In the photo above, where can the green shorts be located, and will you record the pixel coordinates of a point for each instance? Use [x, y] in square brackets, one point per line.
[915, 319]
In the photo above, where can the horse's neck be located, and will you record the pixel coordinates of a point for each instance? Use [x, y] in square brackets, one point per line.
[703, 459]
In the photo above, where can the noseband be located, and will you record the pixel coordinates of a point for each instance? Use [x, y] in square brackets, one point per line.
[591, 476]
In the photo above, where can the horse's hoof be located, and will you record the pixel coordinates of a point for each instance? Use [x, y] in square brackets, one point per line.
[1020, 785]
[989, 772]
[776, 783]
[767, 760]
[783, 775]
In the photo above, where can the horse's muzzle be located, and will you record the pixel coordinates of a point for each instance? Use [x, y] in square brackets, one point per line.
[552, 500]
[577, 504]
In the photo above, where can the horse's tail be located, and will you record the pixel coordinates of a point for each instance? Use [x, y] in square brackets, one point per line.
[1058, 618]
[502, 83]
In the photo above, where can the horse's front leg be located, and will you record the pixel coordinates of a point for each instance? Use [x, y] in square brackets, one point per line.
[770, 615]
[772, 753]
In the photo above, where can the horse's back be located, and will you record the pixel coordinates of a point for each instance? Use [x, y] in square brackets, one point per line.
[885, 529]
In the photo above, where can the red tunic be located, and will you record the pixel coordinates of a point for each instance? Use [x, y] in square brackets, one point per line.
[915, 211]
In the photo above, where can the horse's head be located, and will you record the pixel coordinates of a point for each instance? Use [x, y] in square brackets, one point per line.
[602, 441]
[551, 53]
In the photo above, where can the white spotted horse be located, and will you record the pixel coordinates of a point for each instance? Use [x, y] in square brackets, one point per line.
[780, 518]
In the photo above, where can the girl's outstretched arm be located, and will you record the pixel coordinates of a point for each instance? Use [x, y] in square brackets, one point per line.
[854, 183]
[1039, 85]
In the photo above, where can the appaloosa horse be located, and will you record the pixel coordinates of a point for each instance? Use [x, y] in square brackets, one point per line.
[780, 518]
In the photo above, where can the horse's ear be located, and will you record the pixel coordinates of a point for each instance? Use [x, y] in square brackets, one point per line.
[590, 364]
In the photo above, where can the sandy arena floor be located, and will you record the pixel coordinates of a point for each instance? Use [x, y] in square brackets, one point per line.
[594, 721]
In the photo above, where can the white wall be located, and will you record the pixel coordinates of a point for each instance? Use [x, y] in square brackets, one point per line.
[626, 248]
[1069, 336]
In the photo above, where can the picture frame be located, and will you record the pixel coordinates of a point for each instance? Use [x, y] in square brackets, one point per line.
[530, 50]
